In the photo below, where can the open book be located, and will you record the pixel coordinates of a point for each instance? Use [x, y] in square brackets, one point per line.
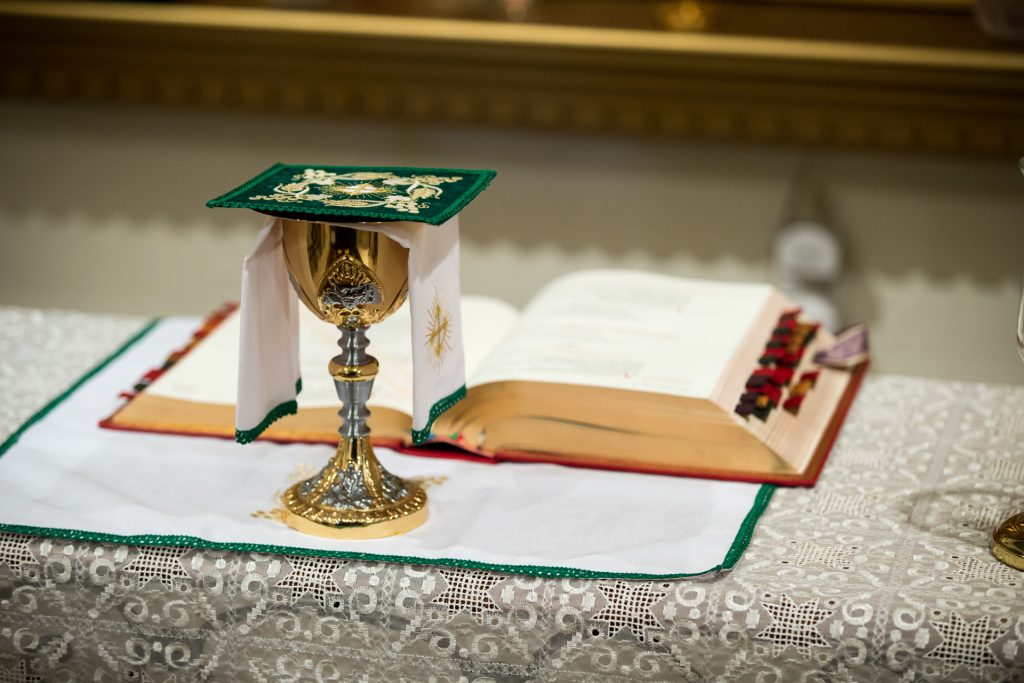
[610, 369]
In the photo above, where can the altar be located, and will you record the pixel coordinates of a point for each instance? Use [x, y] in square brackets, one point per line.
[880, 572]
[678, 139]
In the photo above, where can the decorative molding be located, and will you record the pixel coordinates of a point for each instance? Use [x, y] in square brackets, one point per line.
[587, 79]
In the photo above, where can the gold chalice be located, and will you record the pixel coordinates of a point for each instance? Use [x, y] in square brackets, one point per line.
[351, 278]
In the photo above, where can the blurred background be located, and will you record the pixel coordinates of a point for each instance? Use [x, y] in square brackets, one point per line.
[862, 153]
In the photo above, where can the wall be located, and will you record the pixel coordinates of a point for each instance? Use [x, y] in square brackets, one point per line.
[101, 209]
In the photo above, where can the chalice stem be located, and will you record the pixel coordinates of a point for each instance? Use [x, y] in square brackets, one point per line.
[354, 371]
[357, 371]
[353, 493]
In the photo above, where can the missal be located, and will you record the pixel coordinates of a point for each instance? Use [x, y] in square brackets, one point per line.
[608, 369]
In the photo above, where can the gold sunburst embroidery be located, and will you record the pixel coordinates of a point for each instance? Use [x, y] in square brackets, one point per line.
[357, 189]
[439, 331]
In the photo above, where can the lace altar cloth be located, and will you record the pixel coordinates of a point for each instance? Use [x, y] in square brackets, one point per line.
[880, 573]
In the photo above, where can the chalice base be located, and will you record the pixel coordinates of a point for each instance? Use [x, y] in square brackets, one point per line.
[1008, 542]
[356, 532]
[353, 498]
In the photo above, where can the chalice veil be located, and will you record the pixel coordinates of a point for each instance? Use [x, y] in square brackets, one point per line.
[322, 249]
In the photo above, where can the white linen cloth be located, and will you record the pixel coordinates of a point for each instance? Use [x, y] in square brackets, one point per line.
[65, 473]
[269, 349]
[268, 353]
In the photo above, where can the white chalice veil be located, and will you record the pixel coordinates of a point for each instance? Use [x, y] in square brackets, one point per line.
[268, 373]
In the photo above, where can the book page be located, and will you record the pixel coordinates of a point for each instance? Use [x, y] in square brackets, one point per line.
[209, 373]
[628, 330]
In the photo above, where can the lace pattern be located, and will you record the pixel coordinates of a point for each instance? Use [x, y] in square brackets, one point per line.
[879, 573]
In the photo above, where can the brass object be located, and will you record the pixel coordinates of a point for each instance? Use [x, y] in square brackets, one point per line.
[352, 279]
[1008, 541]
[1008, 538]
[684, 15]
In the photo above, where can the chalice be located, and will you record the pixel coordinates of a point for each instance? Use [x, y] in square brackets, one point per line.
[352, 279]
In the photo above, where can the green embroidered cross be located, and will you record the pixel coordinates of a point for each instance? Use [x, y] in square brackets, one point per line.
[358, 193]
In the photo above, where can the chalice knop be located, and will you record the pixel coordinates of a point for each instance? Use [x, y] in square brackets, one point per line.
[350, 278]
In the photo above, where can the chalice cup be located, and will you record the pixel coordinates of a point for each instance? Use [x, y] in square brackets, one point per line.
[352, 279]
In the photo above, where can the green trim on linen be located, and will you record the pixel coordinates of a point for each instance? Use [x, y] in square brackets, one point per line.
[420, 436]
[45, 410]
[746, 530]
[739, 543]
[244, 436]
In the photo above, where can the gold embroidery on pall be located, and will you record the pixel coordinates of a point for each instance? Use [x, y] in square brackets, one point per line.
[439, 332]
[361, 190]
